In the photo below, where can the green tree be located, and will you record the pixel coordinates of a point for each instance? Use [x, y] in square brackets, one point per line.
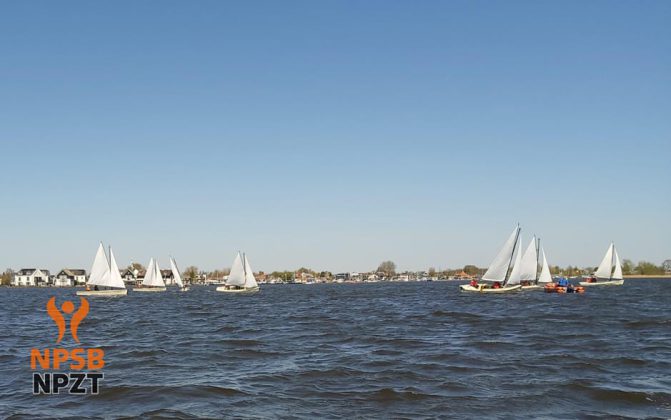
[471, 270]
[387, 267]
[627, 267]
[6, 277]
[432, 271]
[136, 266]
[647, 268]
[191, 273]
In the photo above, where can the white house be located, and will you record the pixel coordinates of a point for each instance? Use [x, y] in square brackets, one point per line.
[31, 277]
[70, 277]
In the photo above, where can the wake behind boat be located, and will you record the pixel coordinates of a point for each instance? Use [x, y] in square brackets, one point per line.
[105, 277]
[609, 272]
[497, 273]
[241, 278]
[153, 281]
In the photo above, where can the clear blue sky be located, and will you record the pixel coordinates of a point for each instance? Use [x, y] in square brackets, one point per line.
[333, 134]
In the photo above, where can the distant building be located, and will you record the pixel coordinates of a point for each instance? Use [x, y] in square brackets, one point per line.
[130, 275]
[342, 277]
[168, 278]
[70, 277]
[31, 277]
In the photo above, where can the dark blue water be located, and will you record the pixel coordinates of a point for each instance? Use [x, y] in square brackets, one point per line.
[378, 350]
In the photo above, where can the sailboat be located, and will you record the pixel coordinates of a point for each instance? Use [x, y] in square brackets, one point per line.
[498, 270]
[177, 276]
[241, 278]
[153, 281]
[609, 272]
[545, 277]
[106, 274]
[529, 277]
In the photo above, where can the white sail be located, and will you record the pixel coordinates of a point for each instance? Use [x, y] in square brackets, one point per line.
[617, 273]
[499, 267]
[237, 275]
[606, 266]
[545, 276]
[175, 272]
[100, 269]
[115, 279]
[149, 273]
[250, 280]
[529, 264]
[517, 268]
[159, 278]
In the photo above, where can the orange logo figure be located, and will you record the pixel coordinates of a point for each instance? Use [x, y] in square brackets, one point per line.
[67, 307]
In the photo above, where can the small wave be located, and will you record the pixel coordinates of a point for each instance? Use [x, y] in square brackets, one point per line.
[464, 316]
[240, 342]
[644, 323]
[391, 395]
[124, 392]
[614, 395]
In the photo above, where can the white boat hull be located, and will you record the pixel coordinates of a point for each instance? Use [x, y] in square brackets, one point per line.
[249, 290]
[149, 289]
[184, 289]
[603, 283]
[481, 289]
[113, 292]
[533, 287]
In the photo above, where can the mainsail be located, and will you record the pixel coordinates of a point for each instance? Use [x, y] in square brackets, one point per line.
[237, 275]
[517, 268]
[529, 264]
[100, 269]
[149, 274]
[175, 272]
[499, 267]
[606, 267]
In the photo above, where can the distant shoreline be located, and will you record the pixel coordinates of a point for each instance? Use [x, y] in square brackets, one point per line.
[647, 276]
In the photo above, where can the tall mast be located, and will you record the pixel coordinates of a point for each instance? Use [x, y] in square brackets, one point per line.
[510, 262]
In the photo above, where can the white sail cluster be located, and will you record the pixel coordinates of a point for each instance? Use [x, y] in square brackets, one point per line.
[153, 277]
[511, 266]
[610, 267]
[241, 274]
[104, 272]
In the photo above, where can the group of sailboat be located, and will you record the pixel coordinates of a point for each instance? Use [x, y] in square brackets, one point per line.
[105, 278]
[241, 277]
[514, 270]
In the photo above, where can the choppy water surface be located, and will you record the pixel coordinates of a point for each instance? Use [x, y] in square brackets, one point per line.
[355, 350]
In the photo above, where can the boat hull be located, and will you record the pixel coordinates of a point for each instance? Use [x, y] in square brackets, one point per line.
[247, 291]
[116, 292]
[480, 289]
[603, 283]
[149, 289]
[533, 287]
